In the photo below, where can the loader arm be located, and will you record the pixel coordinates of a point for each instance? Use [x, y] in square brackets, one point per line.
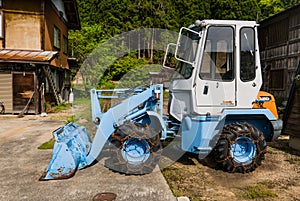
[114, 117]
[73, 148]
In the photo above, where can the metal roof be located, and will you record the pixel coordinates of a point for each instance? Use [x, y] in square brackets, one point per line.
[27, 56]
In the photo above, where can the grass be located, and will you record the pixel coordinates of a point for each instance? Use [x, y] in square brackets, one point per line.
[174, 178]
[52, 108]
[70, 119]
[261, 190]
[293, 159]
[47, 145]
[83, 109]
[170, 174]
[166, 95]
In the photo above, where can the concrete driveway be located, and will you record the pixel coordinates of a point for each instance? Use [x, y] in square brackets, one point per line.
[21, 165]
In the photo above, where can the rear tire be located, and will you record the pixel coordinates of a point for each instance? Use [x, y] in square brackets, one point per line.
[240, 148]
[134, 149]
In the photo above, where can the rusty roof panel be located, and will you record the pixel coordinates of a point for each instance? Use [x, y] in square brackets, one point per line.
[26, 56]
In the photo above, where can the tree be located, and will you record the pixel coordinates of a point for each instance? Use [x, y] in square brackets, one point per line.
[103, 20]
[234, 10]
[270, 7]
[83, 42]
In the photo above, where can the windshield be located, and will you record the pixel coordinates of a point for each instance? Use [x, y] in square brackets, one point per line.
[217, 59]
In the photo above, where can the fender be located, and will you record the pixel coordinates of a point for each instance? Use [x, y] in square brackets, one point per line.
[262, 119]
[157, 124]
[267, 101]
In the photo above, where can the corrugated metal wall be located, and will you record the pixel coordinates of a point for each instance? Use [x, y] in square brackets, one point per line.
[6, 91]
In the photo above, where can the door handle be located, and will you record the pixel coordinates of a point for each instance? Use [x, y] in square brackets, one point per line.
[205, 90]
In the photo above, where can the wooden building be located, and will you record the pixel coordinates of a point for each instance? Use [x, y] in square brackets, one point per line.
[279, 38]
[291, 121]
[34, 52]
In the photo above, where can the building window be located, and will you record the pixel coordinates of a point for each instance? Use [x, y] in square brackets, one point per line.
[56, 37]
[277, 79]
[0, 3]
[65, 45]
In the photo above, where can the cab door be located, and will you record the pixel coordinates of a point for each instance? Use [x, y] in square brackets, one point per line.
[249, 74]
[215, 82]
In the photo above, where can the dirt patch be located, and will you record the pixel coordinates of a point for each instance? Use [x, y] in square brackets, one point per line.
[277, 179]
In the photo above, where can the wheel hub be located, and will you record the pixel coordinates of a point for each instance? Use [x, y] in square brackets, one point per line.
[136, 151]
[243, 150]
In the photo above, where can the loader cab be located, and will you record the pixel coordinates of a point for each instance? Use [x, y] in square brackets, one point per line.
[217, 67]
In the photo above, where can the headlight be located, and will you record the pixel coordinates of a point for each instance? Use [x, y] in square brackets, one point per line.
[265, 98]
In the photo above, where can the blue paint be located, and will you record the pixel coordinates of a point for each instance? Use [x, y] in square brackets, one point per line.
[243, 150]
[72, 145]
[199, 133]
[136, 151]
[73, 148]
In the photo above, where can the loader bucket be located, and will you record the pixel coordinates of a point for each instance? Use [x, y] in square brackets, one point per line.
[72, 145]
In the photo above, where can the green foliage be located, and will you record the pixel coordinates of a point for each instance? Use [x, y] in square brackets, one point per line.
[83, 42]
[105, 19]
[70, 119]
[123, 65]
[63, 106]
[138, 77]
[52, 108]
[102, 21]
[47, 145]
[270, 7]
[261, 190]
[234, 10]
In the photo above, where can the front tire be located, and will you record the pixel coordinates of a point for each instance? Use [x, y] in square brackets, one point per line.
[135, 149]
[241, 148]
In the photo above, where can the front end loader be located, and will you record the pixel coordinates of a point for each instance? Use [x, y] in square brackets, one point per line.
[133, 127]
[216, 108]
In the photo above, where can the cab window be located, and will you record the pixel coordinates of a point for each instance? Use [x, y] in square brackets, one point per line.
[247, 54]
[217, 58]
